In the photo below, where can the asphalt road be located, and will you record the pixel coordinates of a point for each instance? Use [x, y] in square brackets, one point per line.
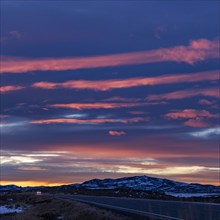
[154, 209]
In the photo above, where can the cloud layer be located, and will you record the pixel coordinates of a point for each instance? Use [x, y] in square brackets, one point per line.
[196, 118]
[116, 133]
[7, 89]
[209, 92]
[89, 121]
[197, 50]
[105, 85]
[103, 105]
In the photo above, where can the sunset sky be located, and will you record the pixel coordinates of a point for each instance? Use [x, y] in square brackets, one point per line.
[107, 89]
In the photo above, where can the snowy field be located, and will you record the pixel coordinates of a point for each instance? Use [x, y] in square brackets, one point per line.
[189, 195]
[6, 210]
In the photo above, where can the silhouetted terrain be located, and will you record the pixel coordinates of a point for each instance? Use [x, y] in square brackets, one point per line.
[135, 187]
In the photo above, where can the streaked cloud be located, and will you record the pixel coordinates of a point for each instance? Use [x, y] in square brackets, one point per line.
[105, 85]
[80, 103]
[76, 115]
[29, 168]
[116, 133]
[13, 126]
[206, 133]
[89, 121]
[102, 105]
[23, 157]
[197, 118]
[209, 92]
[197, 50]
[7, 89]
[162, 171]
[190, 113]
[197, 122]
[20, 159]
[77, 162]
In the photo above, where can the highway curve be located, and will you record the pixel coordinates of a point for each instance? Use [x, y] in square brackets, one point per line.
[153, 209]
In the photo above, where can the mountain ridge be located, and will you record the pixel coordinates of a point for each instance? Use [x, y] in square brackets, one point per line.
[139, 183]
[150, 184]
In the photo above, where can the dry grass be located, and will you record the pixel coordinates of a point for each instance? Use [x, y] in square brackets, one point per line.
[45, 208]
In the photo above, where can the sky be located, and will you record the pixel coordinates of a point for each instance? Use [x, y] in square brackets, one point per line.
[107, 89]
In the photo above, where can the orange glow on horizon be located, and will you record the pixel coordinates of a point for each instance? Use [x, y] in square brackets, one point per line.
[33, 183]
[41, 183]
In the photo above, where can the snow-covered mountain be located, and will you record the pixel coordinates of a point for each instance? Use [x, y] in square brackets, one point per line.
[150, 184]
[143, 183]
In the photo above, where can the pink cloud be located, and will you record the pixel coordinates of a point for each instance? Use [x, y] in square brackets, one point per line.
[117, 133]
[7, 89]
[73, 121]
[105, 85]
[45, 85]
[196, 118]
[198, 122]
[209, 92]
[190, 113]
[89, 121]
[102, 105]
[197, 50]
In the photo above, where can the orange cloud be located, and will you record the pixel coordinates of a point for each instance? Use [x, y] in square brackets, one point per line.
[31, 168]
[105, 85]
[198, 122]
[102, 105]
[116, 133]
[7, 89]
[88, 121]
[197, 50]
[190, 113]
[210, 92]
[197, 118]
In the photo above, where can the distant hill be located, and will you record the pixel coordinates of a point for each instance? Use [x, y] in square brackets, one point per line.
[151, 184]
[10, 188]
[139, 183]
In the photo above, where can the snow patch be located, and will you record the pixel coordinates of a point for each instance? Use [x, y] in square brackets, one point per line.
[189, 195]
[6, 210]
